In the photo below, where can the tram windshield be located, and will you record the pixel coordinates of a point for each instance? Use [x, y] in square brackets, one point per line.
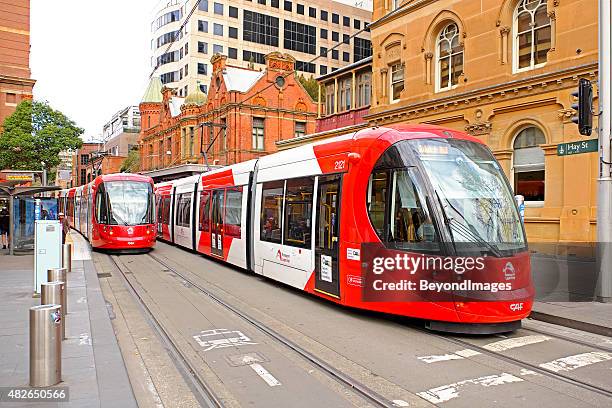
[125, 203]
[472, 190]
[466, 182]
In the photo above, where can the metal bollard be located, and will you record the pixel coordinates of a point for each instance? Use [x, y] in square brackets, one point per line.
[45, 345]
[59, 275]
[67, 257]
[52, 293]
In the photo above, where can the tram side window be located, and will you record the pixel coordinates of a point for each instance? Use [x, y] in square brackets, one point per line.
[395, 196]
[83, 214]
[101, 213]
[166, 212]
[183, 207]
[205, 211]
[159, 208]
[298, 212]
[377, 200]
[233, 212]
[271, 211]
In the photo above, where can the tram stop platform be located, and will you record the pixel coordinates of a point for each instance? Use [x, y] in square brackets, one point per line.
[92, 365]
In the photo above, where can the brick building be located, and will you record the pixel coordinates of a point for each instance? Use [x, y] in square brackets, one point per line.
[15, 82]
[345, 96]
[80, 163]
[245, 113]
[102, 163]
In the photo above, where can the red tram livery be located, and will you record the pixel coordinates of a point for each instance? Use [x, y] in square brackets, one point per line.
[300, 217]
[114, 211]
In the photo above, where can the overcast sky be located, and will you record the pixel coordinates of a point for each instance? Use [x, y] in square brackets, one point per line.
[91, 59]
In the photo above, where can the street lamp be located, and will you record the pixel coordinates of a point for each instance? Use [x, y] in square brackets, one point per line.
[44, 175]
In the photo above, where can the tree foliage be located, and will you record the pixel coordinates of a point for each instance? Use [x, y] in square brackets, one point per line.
[36, 133]
[131, 164]
[311, 85]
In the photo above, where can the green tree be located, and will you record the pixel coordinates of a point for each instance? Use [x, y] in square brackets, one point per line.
[131, 164]
[36, 133]
[311, 85]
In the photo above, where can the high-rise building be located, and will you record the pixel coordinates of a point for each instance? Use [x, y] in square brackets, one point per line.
[247, 30]
[15, 81]
[120, 134]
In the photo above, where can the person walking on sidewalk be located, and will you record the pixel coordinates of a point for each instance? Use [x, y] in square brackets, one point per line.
[65, 226]
[4, 227]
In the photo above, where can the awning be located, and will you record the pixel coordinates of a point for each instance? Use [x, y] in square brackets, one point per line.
[8, 189]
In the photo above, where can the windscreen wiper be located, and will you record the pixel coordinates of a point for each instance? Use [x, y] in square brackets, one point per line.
[467, 228]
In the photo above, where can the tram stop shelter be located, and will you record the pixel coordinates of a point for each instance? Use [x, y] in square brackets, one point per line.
[11, 191]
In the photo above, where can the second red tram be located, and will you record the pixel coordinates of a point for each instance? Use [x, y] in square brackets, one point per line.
[300, 217]
[114, 211]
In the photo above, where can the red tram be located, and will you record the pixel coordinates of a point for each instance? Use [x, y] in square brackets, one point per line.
[114, 211]
[300, 217]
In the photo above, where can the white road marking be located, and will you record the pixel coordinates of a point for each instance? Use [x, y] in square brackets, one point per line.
[457, 355]
[579, 360]
[84, 339]
[508, 344]
[400, 403]
[467, 353]
[525, 371]
[221, 338]
[262, 372]
[450, 391]
[265, 375]
[82, 299]
[443, 357]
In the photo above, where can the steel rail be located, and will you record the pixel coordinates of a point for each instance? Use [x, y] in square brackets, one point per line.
[569, 339]
[203, 393]
[529, 366]
[338, 375]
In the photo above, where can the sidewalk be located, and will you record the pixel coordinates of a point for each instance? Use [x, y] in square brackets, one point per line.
[592, 317]
[92, 365]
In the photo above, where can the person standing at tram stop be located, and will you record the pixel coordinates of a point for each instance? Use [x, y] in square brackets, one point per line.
[65, 226]
[4, 227]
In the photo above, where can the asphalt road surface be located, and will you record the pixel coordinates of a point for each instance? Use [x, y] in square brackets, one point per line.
[243, 340]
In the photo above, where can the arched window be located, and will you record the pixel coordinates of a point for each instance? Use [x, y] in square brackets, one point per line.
[449, 57]
[529, 164]
[532, 34]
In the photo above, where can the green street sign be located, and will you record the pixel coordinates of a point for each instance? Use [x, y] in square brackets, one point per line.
[584, 146]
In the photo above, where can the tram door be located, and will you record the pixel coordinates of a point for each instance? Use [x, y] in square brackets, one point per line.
[327, 278]
[216, 228]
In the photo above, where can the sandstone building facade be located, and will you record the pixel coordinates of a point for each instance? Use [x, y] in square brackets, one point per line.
[504, 72]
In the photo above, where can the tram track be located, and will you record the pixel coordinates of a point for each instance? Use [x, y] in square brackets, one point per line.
[568, 339]
[349, 382]
[203, 393]
[376, 398]
[524, 364]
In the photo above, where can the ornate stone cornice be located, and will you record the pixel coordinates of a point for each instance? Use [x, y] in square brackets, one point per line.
[534, 85]
[479, 128]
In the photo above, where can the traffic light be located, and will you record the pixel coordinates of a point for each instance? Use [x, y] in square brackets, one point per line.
[584, 107]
